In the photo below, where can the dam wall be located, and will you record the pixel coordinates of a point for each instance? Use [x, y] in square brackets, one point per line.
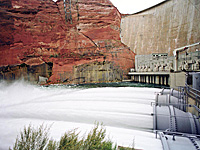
[162, 28]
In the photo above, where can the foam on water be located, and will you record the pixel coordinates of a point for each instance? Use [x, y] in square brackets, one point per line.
[125, 111]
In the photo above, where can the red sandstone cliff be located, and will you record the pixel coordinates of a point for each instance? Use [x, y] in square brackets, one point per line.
[36, 40]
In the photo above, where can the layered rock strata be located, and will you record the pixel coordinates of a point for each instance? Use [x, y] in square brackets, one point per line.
[37, 40]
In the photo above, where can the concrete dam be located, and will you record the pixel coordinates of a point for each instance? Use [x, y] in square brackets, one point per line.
[162, 28]
[166, 41]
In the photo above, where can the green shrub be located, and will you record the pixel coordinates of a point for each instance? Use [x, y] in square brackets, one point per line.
[32, 139]
[52, 145]
[37, 139]
[96, 139]
[125, 148]
[70, 141]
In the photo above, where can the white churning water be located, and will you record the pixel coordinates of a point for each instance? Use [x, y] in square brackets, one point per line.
[125, 112]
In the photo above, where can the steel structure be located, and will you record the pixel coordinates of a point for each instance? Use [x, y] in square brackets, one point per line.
[181, 49]
[67, 9]
[179, 141]
[170, 111]
[169, 118]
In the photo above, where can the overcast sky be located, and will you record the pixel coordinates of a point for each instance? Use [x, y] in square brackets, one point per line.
[133, 6]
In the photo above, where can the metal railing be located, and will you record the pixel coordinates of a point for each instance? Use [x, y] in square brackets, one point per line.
[182, 97]
[194, 95]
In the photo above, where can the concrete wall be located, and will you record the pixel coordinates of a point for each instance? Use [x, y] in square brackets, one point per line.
[161, 29]
[177, 79]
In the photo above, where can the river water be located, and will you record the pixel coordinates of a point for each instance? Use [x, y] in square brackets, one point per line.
[123, 108]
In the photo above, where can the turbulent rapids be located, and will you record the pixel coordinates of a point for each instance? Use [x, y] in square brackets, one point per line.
[125, 111]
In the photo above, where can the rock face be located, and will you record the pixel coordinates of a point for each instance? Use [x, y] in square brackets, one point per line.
[37, 40]
[163, 28]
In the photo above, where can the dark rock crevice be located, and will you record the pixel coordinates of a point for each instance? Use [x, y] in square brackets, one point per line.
[89, 39]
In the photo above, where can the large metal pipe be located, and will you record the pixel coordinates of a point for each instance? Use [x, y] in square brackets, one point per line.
[175, 141]
[181, 49]
[175, 120]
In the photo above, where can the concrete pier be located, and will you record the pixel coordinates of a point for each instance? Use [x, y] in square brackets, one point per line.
[172, 79]
[159, 78]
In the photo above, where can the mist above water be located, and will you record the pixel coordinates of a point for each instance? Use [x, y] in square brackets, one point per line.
[125, 111]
